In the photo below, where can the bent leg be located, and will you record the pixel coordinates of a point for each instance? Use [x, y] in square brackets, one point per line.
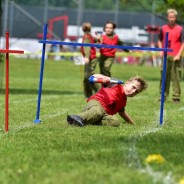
[168, 77]
[86, 84]
[95, 87]
[105, 65]
[176, 76]
[109, 120]
[93, 113]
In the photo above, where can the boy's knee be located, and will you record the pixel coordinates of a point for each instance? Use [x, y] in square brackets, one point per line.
[111, 122]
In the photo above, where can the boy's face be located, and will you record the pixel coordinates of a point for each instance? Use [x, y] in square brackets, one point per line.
[171, 19]
[132, 88]
[109, 29]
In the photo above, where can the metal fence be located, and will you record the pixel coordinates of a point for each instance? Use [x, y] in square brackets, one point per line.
[27, 21]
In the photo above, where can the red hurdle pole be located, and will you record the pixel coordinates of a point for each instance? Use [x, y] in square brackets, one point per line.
[7, 84]
[7, 52]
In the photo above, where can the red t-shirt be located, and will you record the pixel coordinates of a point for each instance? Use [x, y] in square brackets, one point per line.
[175, 38]
[92, 50]
[109, 41]
[112, 99]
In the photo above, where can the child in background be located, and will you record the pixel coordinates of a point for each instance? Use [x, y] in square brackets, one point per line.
[176, 43]
[89, 54]
[102, 106]
[107, 55]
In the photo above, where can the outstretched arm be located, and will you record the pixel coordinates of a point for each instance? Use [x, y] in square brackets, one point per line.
[103, 77]
[126, 117]
[178, 55]
[121, 43]
[86, 51]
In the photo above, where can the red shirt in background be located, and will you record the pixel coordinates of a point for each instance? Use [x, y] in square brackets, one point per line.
[110, 52]
[175, 39]
[92, 50]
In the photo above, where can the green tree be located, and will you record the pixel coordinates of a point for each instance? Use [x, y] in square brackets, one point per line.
[125, 5]
[56, 3]
[128, 5]
[178, 5]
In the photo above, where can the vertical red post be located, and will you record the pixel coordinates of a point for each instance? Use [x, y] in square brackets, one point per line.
[7, 84]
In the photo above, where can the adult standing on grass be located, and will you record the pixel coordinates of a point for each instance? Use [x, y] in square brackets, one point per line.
[175, 42]
[89, 54]
[102, 106]
[107, 55]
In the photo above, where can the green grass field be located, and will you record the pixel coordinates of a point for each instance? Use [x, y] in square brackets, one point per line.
[54, 152]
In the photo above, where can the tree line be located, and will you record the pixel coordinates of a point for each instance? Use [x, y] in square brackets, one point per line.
[154, 6]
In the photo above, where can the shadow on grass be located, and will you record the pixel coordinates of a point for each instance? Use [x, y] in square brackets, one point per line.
[35, 91]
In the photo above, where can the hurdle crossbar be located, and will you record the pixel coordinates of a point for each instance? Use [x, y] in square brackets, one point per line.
[104, 46]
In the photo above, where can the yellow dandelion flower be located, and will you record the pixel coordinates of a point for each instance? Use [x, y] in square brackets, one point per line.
[181, 181]
[155, 158]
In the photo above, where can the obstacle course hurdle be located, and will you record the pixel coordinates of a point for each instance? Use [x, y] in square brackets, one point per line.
[44, 42]
[7, 52]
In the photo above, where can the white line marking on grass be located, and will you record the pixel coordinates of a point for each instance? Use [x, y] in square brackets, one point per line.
[30, 124]
[159, 176]
[50, 116]
[134, 161]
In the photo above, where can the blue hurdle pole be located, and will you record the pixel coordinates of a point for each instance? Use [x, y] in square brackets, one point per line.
[163, 79]
[104, 46]
[37, 120]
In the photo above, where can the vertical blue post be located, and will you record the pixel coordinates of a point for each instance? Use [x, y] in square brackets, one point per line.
[163, 80]
[37, 120]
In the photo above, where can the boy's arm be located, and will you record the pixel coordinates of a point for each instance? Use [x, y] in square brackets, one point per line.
[97, 39]
[121, 43]
[126, 117]
[103, 77]
[86, 50]
[178, 56]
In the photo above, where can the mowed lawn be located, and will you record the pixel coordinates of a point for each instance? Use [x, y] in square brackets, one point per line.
[54, 152]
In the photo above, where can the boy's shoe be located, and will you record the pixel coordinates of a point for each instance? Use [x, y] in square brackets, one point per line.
[75, 120]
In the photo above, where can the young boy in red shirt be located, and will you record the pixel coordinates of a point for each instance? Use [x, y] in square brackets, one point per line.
[108, 101]
[89, 55]
[176, 43]
[107, 55]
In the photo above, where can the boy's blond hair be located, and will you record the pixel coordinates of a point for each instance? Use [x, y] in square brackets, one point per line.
[86, 27]
[171, 11]
[141, 80]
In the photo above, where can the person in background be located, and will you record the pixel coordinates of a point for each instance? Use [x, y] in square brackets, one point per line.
[89, 55]
[176, 43]
[109, 100]
[107, 55]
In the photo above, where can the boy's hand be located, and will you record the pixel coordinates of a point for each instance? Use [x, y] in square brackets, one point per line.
[161, 54]
[127, 118]
[106, 79]
[176, 58]
[86, 60]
